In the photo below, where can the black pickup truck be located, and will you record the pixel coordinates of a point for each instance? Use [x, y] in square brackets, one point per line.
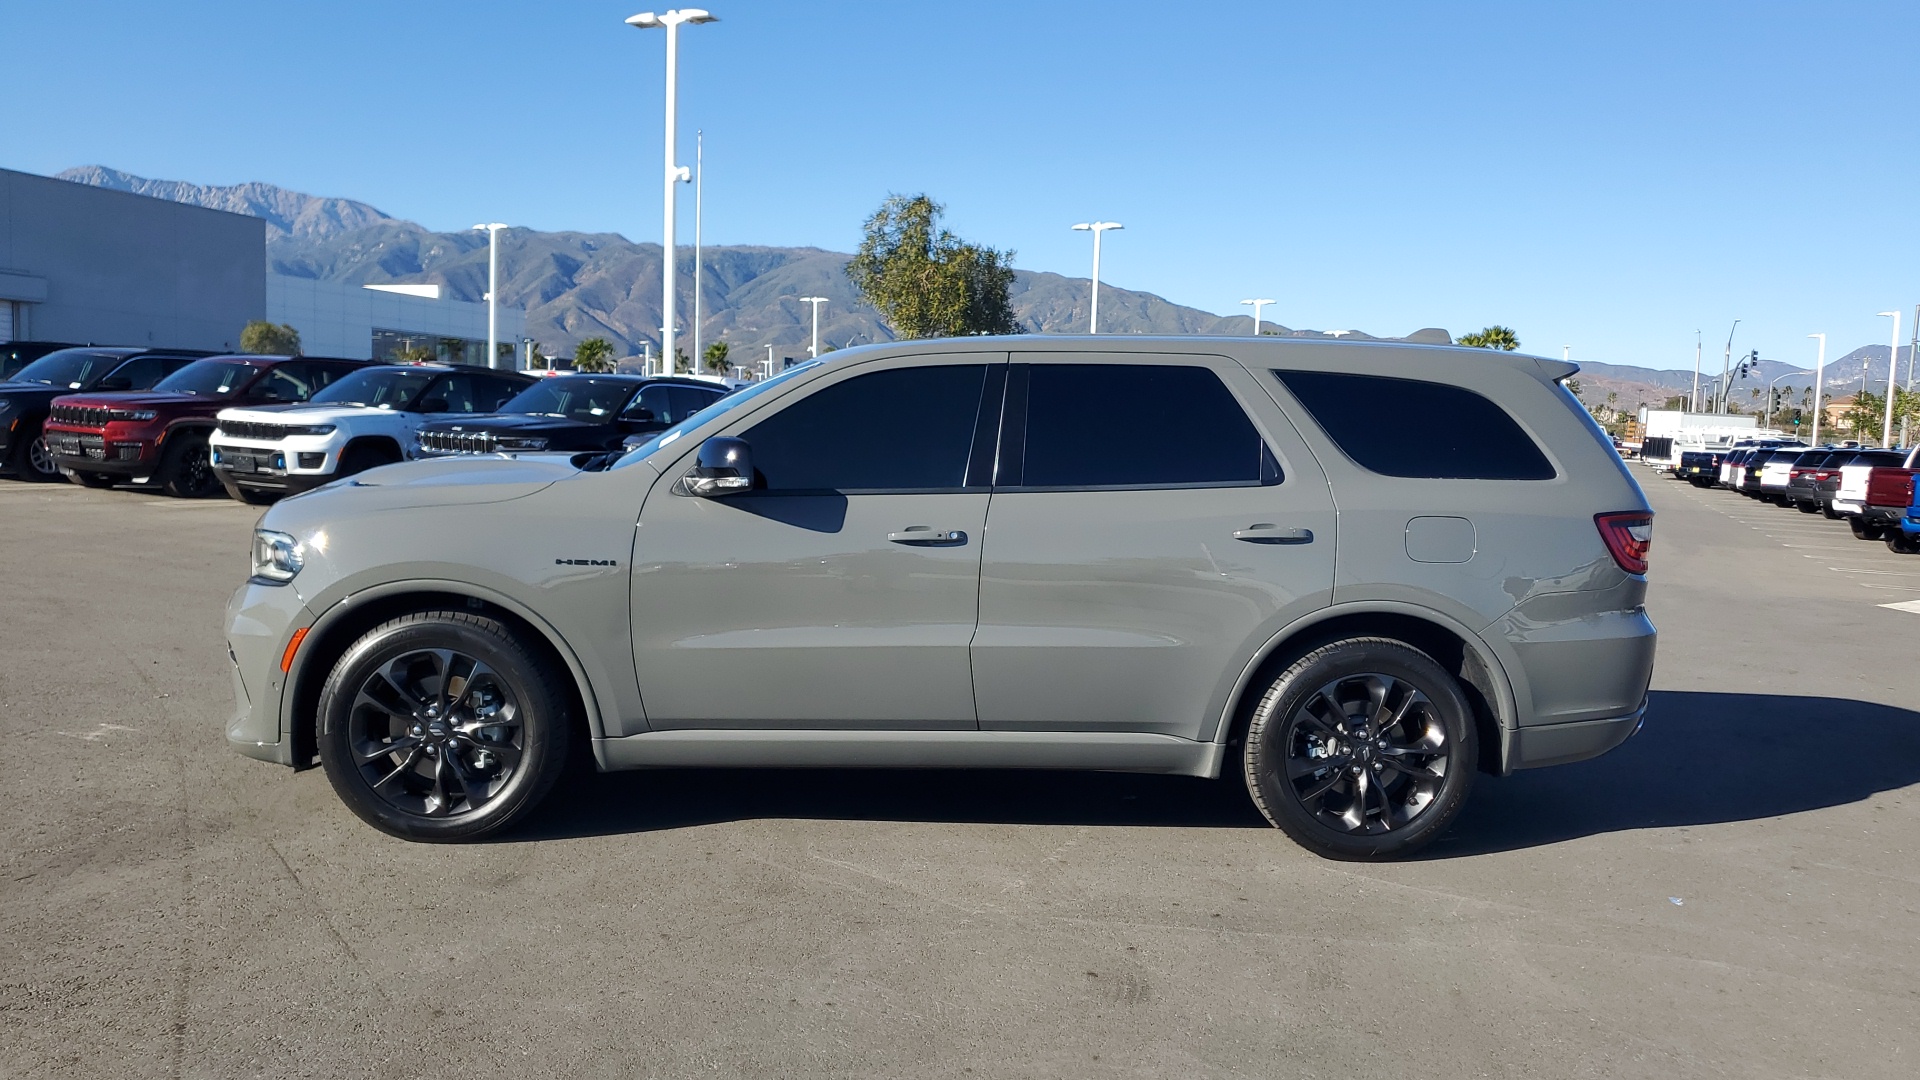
[1701, 468]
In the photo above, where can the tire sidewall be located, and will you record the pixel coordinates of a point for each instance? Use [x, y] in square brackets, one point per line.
[175, 472]
[1266, 755]
[542, 718]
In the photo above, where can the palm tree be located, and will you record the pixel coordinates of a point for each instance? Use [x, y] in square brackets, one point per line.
[593, 354]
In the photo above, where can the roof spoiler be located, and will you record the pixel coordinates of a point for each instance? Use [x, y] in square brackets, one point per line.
[1557, 369]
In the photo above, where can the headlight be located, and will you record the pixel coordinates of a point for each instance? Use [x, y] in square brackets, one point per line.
[312, 429]
[276, 556]
[519, 442]
[5, 404]
[130, 414]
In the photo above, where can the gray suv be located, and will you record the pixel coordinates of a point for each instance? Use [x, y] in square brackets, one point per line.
[1352, 573]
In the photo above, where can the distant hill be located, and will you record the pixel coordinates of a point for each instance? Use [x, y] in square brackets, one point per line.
[576, 285]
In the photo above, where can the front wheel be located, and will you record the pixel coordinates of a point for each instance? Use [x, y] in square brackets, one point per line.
[442, 726]
[186, 472]
[1362, 749]
[32, 460]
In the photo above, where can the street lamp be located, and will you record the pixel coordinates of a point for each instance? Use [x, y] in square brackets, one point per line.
[1819, 369]
[699, 150]
[674, 174]
[493, 289]
[1768, 418]
[1726, 368]
[1893, 365]
[1257, 305]
[1096, 228]
[814, 349]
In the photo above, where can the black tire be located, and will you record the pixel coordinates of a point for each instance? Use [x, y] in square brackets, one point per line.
[1421, 744]
[358, 459]
[91, 479]
[186, 470]
[31, 461]
[1864, 531]
[1829, 512]
[1809, 508]
[409, 761]
[250, 496]
[1900, 543]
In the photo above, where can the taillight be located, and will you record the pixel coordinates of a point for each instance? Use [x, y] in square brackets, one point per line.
[1628, 534]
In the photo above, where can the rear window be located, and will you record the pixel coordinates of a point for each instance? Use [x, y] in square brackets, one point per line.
[1879, 458]
[1418, 429]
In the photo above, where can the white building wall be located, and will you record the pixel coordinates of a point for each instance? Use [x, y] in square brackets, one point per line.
[339, 320]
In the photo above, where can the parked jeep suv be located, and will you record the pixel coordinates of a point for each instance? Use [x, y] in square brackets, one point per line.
[161, 435]
[372, 417]
[575, 412]
[962, 553]
[26, 397]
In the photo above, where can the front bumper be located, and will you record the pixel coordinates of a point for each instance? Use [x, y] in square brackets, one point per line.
[288, 466]
[261, 619]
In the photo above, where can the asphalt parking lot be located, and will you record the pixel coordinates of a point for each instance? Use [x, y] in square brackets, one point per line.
[1736, 892]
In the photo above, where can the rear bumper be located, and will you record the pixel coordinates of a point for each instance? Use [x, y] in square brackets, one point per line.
[1561, 744]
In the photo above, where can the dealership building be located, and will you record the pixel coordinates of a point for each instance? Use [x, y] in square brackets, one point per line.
[86, 264]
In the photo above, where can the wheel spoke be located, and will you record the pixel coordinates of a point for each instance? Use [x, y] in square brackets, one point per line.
[1307, 715]
[474, 786]
[368, 753]
[440, 804]
[1379, 690]
[1324, 785]
[1304, 766]
[1381, 794]
[413, 758]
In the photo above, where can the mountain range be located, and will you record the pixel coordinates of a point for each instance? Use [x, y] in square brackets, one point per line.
[577, 285]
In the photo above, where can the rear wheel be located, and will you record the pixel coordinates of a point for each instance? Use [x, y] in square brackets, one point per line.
[1809, 508]
[1862, 530]
[1362, 749]
[186, 471]
[1902, 543]
[1830, 512]
[441, 726]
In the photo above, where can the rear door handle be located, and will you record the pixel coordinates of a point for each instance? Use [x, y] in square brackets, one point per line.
[923, 536]
[1265, 533]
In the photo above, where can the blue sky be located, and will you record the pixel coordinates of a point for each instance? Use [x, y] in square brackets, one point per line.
[1610, 176]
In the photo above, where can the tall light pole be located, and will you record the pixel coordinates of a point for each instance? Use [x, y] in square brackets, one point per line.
[814, 349]
[493, 290]
[1257, 305]
[1096, 228]
[1693, 403]
[1776, 382]
[1893, 364]
[674, 174]
[1726, 368]
[1819, 369]
[699, 147]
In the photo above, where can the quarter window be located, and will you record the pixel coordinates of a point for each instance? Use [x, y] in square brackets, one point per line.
[907, 429]
[1137, 425]
[1414, 428]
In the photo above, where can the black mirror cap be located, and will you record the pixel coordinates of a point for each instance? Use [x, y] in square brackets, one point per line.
[724, 455]
[114, 382]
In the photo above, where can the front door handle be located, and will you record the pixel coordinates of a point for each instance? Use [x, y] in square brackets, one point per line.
[923, 536]
[1268, 533]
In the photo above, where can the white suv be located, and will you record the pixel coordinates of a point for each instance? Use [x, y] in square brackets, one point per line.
[372, 417]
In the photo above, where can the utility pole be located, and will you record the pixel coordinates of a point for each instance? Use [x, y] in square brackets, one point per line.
[1693, 403]
[699, 138]
[1819, 368]
[1893, 361]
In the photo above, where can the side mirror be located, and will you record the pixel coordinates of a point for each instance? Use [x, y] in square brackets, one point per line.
[639, 416]
[723, 467]
[115, 382]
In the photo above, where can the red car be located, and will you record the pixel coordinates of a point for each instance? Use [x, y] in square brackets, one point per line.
[160, 435]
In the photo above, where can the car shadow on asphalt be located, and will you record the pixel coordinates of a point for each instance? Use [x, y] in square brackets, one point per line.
[1703, 758]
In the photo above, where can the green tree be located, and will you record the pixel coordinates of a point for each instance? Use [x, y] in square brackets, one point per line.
[538, 359]
[715, 355]
[1865, 416]
[927, 282]
[593, 354]
[410, 354]
[263, 338]
[682, 364]
[1493, 337]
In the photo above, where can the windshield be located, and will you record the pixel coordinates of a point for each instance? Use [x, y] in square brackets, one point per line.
[576, 397]
[381, 388]
[211, 378]
[75, 369]
[724, 405]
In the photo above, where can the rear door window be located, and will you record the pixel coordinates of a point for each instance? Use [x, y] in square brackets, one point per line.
[1418, 429]
[1119, 426]
[908, 429]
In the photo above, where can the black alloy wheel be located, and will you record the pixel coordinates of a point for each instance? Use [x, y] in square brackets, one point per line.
[186, 471]
[441, 726]
[1363, 749]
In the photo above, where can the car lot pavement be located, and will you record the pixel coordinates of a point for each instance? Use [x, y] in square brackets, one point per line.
[1734, 892]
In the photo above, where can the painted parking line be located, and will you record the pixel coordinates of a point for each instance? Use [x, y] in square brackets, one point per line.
[1910, 606]
[1864, 570]
[1896, 588]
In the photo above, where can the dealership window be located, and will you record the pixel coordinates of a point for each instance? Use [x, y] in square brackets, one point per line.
[404, 346]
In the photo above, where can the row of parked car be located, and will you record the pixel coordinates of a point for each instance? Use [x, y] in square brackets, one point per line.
[192, 423]
[1872, 489]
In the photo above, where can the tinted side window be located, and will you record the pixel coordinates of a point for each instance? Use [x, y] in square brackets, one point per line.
[493, 392]
[655, 400]
[1136, 425]
[143, 371]
[688, 400]
[286, 382]
[1413, 428]
[450, 393]
[911, 429]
